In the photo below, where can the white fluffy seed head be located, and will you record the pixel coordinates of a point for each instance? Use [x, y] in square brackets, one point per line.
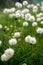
[32, 5]
[18, 11]
[39, 15]
[9, 52]
[0, 26]
[17, 34]
[4, 57]
[25, 23]
[25, 3]
[31, 18]
[27, 38]
[12, 9]
[31, 40]
[0, 42]
[41, 22]
[25, 11]
[6, 10]
[17, 15]
[42, 3]
[41, 8]
[34, 24]
[27, 16]
[28, 6]
[18, 5]
[35, 9]
[39, 30]
[12, 41]
[38, 19]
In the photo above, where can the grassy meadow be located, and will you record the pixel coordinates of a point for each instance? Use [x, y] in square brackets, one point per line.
[25, 52]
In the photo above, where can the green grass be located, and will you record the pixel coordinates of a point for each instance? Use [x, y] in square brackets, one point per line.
[24, 52]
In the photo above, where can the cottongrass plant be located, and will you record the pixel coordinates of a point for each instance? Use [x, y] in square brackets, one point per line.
[21, 34]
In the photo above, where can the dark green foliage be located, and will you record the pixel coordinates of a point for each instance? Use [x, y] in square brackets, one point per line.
[6, 3]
